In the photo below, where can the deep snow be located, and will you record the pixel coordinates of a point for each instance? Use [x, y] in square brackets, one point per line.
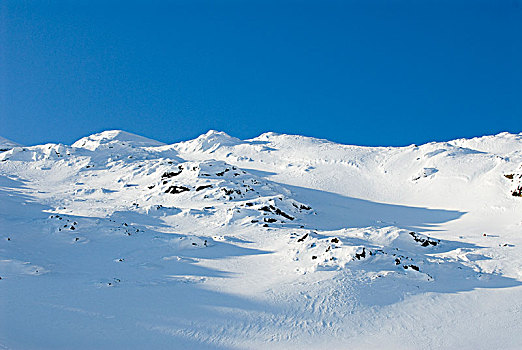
[280, 241]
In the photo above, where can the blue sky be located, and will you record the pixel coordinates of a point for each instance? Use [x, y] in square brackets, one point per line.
[359, 72]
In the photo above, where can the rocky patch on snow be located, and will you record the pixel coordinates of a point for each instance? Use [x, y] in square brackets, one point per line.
[371, 248]
[515, 180]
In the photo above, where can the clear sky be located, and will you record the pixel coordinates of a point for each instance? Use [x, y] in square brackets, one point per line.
[365, 72]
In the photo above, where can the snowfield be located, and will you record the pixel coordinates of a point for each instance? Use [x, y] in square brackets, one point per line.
[279, 242]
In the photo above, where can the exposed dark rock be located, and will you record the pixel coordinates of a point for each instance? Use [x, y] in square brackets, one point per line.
[177, 189]
[228, 192]
[283, 214]
[413, 267]
[301, 207]
[199, 188]
[277, 211]
[425, 242]
[168, 175]
[221, 173]
[361, 255]
[302, 238]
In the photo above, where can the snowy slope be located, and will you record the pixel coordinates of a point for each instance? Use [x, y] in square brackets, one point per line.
[6, 144]
[279, 241]
[114, 138]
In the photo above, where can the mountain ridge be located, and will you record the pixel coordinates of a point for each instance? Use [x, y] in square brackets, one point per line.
[219, 136]
[285, 240]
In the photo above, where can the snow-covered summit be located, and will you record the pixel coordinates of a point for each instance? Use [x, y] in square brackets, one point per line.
[121, 137]
[6, 144]
[277, 138]
[208, 142]
[501, 143]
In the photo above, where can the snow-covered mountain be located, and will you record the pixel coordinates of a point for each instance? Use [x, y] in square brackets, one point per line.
[6, 145]
[280, 241]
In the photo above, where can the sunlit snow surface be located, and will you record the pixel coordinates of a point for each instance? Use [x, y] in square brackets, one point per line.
[281, 241]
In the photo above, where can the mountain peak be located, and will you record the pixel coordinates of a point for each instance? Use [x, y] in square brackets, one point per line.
[6, 144]
[209, 142]
[213, 132]
[502, 143]
[94, 141]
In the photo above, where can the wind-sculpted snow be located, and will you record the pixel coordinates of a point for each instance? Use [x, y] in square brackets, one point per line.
[280, 241]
